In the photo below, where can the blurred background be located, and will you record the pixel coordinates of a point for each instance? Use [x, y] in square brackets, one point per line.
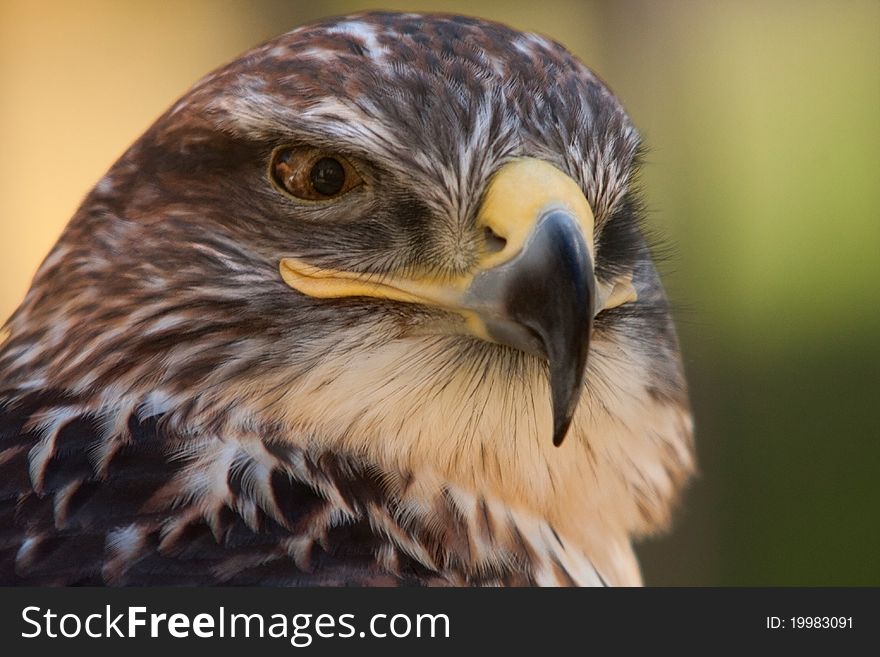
[763, 123]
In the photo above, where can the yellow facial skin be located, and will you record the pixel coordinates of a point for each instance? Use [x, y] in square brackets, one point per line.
[517, 196]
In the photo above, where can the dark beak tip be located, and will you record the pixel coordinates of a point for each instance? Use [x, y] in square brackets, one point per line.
[560, 430]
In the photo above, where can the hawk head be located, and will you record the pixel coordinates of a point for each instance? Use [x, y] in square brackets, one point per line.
[411, 240]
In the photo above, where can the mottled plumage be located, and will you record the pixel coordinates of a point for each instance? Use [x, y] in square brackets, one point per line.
[171, 411]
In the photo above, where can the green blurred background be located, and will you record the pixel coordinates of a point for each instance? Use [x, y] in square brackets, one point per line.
[763, 122]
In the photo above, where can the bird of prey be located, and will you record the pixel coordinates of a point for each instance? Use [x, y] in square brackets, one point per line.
[371, 305]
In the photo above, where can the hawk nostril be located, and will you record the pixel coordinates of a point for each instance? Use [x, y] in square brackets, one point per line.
[494, 242]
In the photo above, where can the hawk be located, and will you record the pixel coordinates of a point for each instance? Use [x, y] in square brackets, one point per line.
[370, 305]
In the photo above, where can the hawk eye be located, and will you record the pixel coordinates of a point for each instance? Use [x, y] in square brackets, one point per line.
[313, 175]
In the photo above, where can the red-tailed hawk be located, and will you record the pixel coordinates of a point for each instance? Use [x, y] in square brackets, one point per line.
[329, 320]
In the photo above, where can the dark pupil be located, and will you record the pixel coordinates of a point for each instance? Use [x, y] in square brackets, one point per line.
[327, 176]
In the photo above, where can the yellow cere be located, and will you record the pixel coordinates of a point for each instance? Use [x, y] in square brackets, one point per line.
[521, 193]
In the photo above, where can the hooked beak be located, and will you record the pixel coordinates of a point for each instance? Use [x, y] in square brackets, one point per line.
[542, 302]
[536, 293]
